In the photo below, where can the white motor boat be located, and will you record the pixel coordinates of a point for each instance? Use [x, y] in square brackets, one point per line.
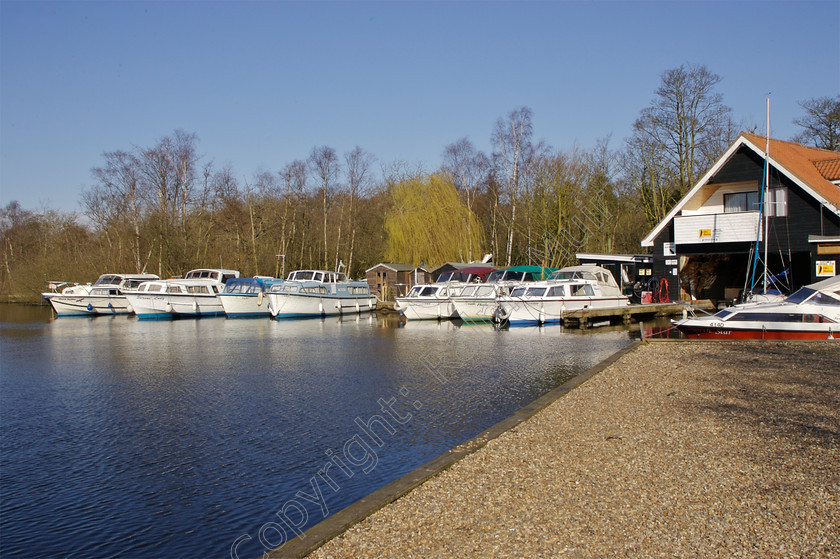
[433, 301]
[479, 303]
[194, 296]
[428, 302]
[316, 293]
[811, 313]
[568, 289]
[245, 297]
[105, 296]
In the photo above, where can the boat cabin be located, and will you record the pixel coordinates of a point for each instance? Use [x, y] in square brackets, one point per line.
[217, 275]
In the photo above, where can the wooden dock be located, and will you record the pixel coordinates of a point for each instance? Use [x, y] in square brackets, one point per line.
[587, 317]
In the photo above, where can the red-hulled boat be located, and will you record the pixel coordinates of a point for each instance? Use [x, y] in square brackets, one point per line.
[812, 313]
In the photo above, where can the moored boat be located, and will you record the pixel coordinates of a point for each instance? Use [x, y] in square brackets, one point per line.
[194, 296]
[568, 289]
[432, 301]
[811, 313]
[105, 296]
[317, 293]
[479, 303]
[245, 297]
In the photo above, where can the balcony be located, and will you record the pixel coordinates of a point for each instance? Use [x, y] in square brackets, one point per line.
[716, 228]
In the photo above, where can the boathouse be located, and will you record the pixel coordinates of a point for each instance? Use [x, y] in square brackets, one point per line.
[388, 280]
[703, 248]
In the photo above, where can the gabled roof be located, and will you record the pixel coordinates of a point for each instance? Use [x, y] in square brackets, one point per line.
[812, 169]
[393, 267]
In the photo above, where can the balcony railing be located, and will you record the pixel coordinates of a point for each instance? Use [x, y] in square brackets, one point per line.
[716, 228]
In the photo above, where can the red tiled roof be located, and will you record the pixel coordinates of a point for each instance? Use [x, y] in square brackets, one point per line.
[830, 169]
[814, 167]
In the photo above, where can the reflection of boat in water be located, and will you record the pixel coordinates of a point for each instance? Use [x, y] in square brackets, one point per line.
[313, 293]
[194, 296]
[245, 297]
[105, 296]
[812, 313]
[568, 289]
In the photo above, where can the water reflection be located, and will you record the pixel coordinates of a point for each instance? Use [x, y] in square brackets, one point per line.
[174, 438]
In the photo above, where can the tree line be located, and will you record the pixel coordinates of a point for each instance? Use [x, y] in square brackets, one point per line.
[161, 209]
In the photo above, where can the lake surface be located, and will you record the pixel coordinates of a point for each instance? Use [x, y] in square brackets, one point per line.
[196, 438]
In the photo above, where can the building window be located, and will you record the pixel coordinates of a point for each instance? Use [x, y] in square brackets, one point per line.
[777, 203]
[740, 202]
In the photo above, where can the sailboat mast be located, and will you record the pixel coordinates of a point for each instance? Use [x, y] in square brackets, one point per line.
[766, 187]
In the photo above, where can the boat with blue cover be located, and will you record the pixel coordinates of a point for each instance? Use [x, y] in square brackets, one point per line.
[245, 297]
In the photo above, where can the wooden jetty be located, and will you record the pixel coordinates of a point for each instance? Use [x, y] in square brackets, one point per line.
[586, 317]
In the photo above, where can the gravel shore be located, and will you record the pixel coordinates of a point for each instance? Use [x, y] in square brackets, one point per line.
[700, 449]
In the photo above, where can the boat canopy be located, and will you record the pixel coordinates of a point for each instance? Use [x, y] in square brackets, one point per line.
[521, 273]
[249, 285]
[468, 274]
[586, 271]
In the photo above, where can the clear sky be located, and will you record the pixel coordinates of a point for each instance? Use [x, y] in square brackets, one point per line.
[262, 83]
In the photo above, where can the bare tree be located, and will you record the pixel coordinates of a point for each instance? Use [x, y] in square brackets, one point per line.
[118, 192]
[323, 162]
[512, 141]
[686, 114]
[357, 164]
[821, 123]
[468, 169]
[677, 137]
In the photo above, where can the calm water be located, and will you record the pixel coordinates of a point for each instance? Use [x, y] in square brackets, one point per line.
[123, 438]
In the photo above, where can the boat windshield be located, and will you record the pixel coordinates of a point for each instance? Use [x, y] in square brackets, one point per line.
[561, 275]
[244, 285]
[108, 280]
[812, 296]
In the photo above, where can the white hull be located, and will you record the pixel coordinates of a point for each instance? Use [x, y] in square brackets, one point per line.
[425, 309]
[161, 306]
[522, 311]
[194, 306]
[245, 305]
[150, 305]
[475, 310]
[70, 305]
[301, 305]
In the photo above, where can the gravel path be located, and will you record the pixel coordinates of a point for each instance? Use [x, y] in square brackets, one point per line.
[694, 449]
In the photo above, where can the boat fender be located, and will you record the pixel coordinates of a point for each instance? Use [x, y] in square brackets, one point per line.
[260, 299]
[110, 306]
[195, 306]
[129, 308]
[90, 307]
[167, 308]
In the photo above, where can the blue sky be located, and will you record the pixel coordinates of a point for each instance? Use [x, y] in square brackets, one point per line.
[262, 83]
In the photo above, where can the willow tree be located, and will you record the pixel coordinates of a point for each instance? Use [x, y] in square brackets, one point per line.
[429, 223]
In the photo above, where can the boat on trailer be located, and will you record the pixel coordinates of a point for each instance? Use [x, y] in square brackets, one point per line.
[569, 289]
[245, 297]
[194, 296]
[105, 296]
[811, 313]
[318, 293]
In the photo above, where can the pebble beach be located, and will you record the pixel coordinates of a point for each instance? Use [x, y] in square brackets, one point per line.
[677, 449]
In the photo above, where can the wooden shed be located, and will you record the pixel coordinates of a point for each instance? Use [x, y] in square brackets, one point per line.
[388, 280]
